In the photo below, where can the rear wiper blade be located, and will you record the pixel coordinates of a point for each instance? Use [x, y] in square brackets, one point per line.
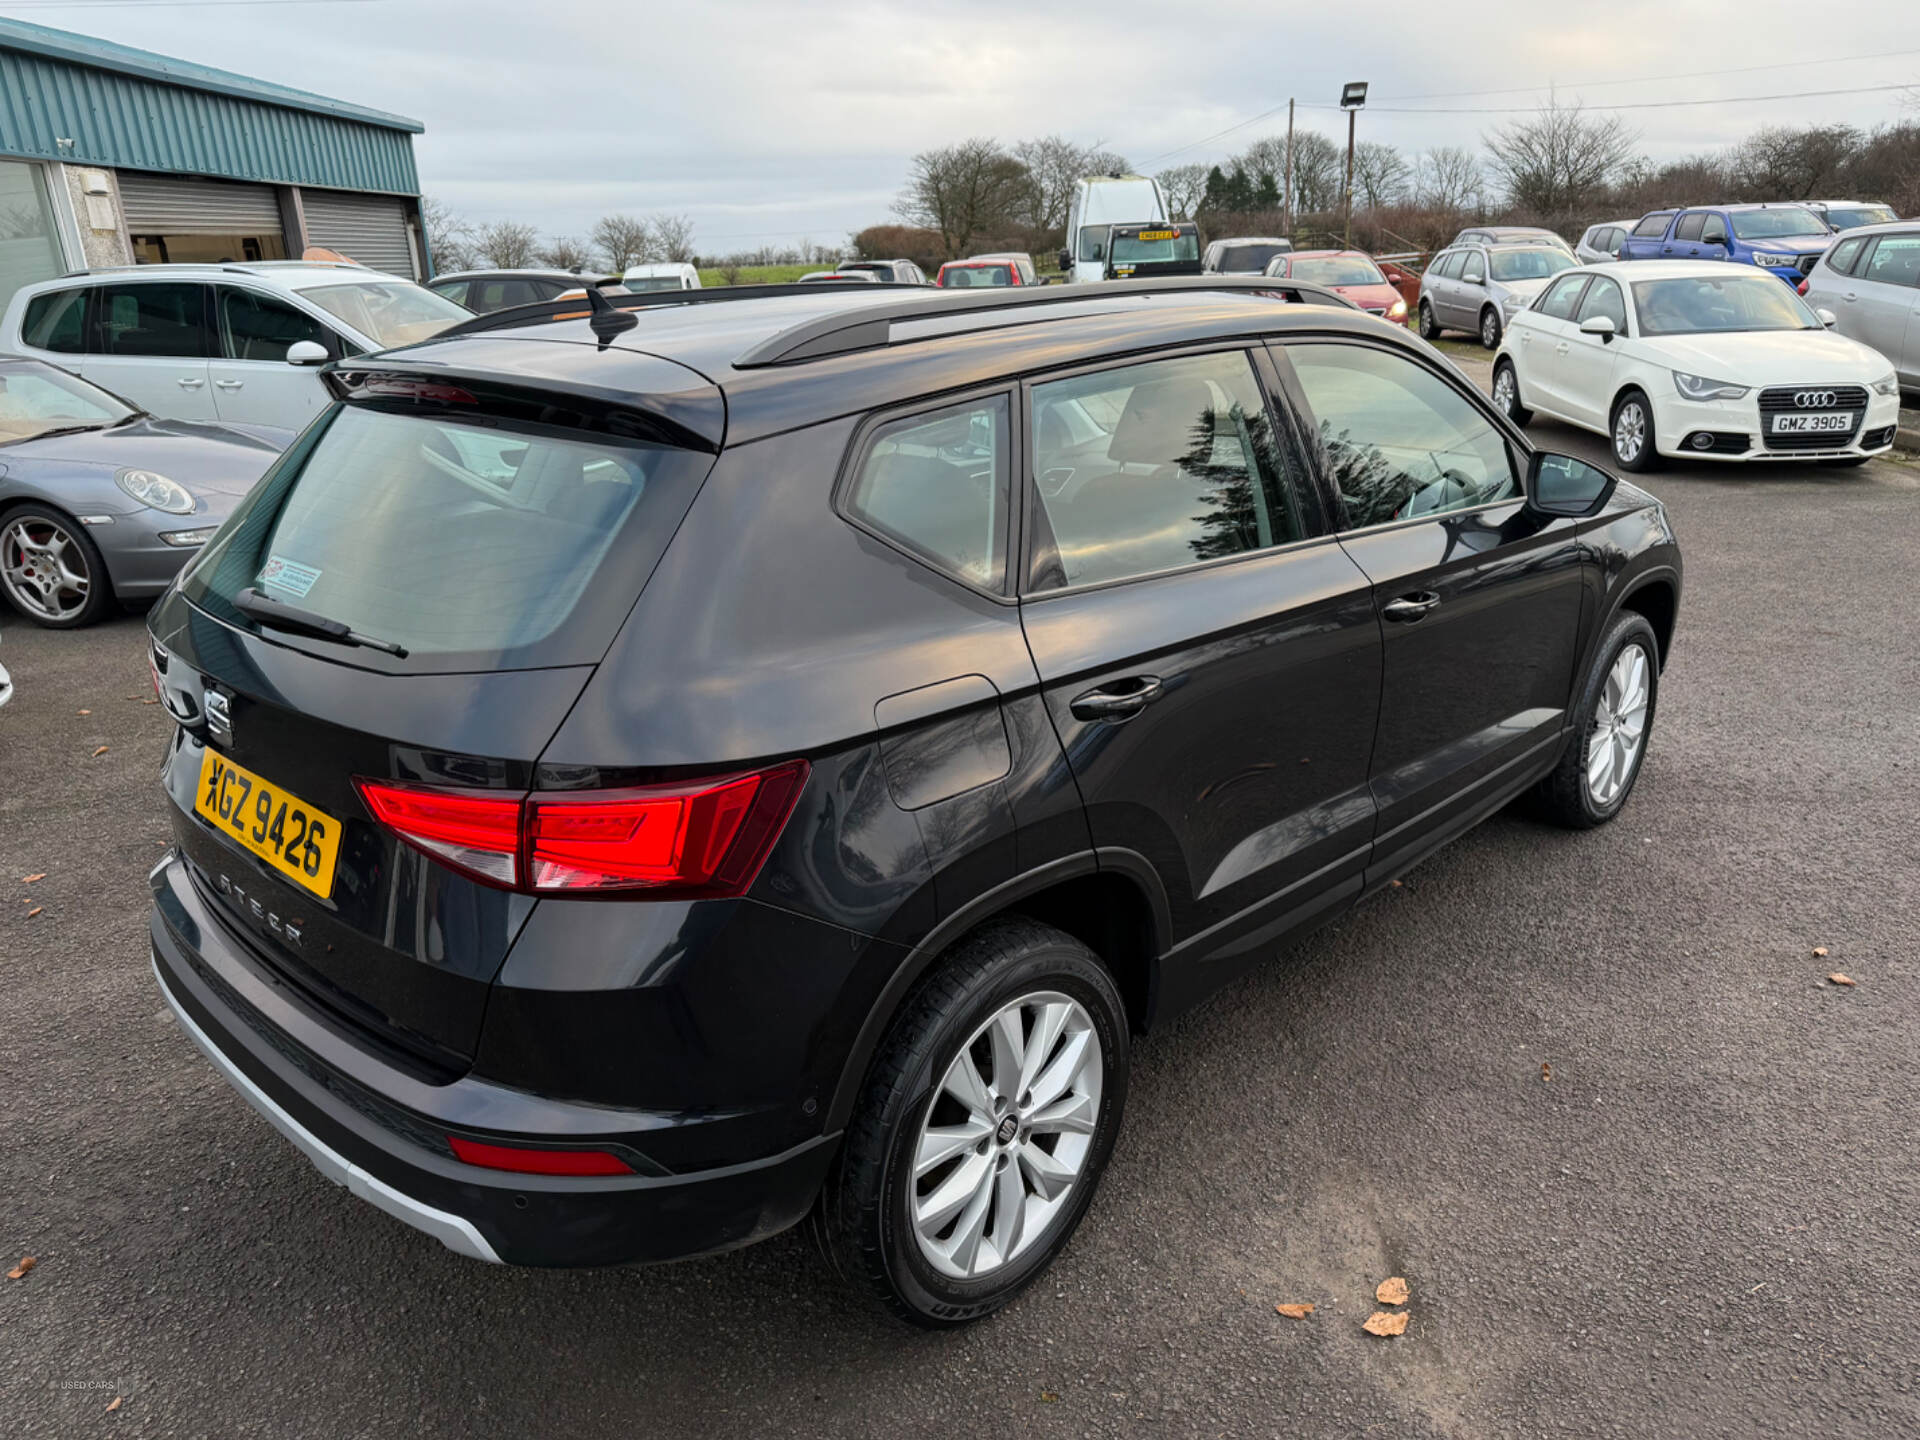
[282, 616]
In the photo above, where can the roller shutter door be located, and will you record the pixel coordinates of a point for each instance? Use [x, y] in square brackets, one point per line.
[369, 228]
[172, 205]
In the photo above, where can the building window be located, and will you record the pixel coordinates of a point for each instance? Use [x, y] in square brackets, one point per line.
[29, 244]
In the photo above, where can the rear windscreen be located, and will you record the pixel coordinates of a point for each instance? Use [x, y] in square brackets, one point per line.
[460, 540]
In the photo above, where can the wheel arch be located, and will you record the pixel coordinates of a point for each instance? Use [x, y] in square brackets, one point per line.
[1655, 595]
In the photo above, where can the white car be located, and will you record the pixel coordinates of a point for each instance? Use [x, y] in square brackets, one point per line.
[240, 344]
[1695, 357]
[660, 275]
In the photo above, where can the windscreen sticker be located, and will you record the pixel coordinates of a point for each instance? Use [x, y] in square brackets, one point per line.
[288, 576]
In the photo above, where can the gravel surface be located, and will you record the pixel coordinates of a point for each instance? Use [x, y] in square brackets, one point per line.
[1705, 1223]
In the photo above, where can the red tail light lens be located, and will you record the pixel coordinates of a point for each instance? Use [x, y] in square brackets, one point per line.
[474, 831]
[686, 840]
[538, 1162]
[1801, 288]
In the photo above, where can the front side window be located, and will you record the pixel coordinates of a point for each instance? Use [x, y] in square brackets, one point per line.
[258, 327]
[939, 484]
[1093, 243]
[163, 319]
[1895, 261]
[388, 312]
[1775, 224]
[1400, 442]
[1156, 466]
[1653, 226]
[1845, 254]
[1857, 216]
[57, 321]
[1705, 305]
[37, 398]
[1690, 226]
[1603, 297]
[1558, 301]
[1529, 264]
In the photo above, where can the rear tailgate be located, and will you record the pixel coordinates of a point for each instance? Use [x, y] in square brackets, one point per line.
[483, 543]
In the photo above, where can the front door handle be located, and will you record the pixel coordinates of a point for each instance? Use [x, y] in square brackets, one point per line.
[1561, 348]
[230, 384]
[188, 383]
[1121, 700]
[1409, 608]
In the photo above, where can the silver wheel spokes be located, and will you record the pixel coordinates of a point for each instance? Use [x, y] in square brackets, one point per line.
[1629, 432]
[1619, 726]
[1489, 331]
[43, 568]
[1503, 391]
[1007, 1136]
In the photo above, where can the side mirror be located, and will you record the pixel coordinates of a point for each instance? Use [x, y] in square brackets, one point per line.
[307, 352]
[1828, 318]
[1066, 259]
[1601, 325]
[1563, 486]
[1473, 277]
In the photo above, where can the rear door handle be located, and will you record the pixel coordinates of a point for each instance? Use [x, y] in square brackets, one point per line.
[1409, 608]
[188, 383]
[1122, 700]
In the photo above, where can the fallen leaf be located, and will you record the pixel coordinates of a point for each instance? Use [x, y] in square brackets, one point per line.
[1047, 1397]
[1383, 1322]
[83, 712]
[1819, 952]
[1839, 979]
[38, 908]
[101, 751]
[1294, 1312]
[29, 879]
[1396, 885]
[1392, 1291]
[151, 700]
[114, 1406]
[1546, 1071]
[27, 1262]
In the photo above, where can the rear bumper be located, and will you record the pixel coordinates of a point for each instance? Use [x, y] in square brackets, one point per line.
[395, 1157]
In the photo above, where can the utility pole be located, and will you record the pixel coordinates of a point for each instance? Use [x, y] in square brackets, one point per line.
[1286, 196]
[1352, 97]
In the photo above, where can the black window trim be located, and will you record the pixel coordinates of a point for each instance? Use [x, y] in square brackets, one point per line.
[1314, 509]
[1519, 451]
[860, 445]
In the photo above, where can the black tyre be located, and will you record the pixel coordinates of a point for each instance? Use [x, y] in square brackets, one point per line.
[1506, 394]
[1613, 726]
[974, 1151]
[1490, 328]
[1429, 330]
[1630, 432]
[50, 569]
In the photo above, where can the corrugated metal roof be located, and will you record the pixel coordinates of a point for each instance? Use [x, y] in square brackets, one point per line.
[125, 108]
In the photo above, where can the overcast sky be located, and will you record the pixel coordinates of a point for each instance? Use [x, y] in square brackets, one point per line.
[770, 122]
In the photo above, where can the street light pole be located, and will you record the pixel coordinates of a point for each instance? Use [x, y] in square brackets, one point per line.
[1353, 96]
[1286, 196]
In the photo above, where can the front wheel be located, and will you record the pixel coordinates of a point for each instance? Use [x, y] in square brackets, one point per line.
[1632, 432]
[1490, 331]
[985, 1125]
[1615, 719]
[51, 570]
[1429, 329]
[1506, 394]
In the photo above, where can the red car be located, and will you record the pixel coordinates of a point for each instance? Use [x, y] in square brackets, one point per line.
[1350, 273]
[963, 273]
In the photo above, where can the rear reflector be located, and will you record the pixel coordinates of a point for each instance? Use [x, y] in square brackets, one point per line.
[691, 839]
[538, 1162]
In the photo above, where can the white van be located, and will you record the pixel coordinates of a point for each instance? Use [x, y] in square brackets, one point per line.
[662, 276]
[1099, 201]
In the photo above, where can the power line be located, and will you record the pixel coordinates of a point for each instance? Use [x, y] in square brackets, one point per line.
[1633, 105]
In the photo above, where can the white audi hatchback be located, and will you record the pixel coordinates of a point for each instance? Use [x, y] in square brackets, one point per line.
[1699, 358]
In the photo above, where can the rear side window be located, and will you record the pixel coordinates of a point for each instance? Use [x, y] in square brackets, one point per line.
[57, 322]
[454, 290]
[1653, 226]
[1400, 442]
[1690, 226]
[1845, 254]
[258, 327]
[454, 536]
[164, 320]
[1894, 261]
[1610, 239]
[491, 295]
[1157, 466]
[939, 484]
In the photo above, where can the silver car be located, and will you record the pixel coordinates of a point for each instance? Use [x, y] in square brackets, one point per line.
[1870, 279]
[1601, 243]
[1476, 287]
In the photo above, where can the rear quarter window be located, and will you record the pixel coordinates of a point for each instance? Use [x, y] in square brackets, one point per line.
[1653, 226]
[938, 483]
[56, 321]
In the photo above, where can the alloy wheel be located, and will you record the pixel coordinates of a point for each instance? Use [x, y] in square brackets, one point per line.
[1007, 1136]
[43, 568]
[1619, 726]
[1629, 432]
[1505, 391]
[1490, 330]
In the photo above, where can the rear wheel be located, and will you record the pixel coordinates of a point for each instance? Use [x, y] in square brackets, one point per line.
[1490, 330]
[1429, 330]
[1506, 394]
[1631, 431]
[51, 570]
[986, 1123]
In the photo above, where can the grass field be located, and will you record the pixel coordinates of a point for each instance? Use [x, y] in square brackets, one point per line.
[761, 274]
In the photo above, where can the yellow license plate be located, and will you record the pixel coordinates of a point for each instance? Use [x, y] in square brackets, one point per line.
[283, 830]
[1156, 235]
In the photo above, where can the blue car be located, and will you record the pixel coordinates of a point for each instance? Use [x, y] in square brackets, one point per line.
[1784, 239]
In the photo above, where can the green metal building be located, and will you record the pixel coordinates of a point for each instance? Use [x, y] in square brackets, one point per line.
[115, 156]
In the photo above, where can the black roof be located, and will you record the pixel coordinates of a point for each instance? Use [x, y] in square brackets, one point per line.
[888, 360]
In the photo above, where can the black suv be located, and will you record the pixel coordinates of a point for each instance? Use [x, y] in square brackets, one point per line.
[646, 777]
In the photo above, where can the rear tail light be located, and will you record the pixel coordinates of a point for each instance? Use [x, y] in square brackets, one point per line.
[1801, 288]
[691, 839]
[526, 1161]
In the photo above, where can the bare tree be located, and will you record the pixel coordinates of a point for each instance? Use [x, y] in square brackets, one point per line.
[1778, 163]
[567, 252]
[1319, 169]
[1449, 178]
[506, 244]
[1185, 187]
[1558, 162]
[623, 240]
[1054, 166]
[673, 237]
[1380, 175]
[449, 236]
[968, 192]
